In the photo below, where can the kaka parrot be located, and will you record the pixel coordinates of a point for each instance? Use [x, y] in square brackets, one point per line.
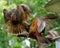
[16, 20]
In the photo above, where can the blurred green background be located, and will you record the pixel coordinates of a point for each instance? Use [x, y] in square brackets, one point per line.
[11, 41]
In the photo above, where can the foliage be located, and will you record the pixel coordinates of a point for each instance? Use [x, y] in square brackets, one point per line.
[5, 38]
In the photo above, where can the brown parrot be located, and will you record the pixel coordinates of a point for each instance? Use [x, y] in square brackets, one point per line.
[16, 20]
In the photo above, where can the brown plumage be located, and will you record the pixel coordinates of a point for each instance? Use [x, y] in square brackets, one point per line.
[16, 18]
